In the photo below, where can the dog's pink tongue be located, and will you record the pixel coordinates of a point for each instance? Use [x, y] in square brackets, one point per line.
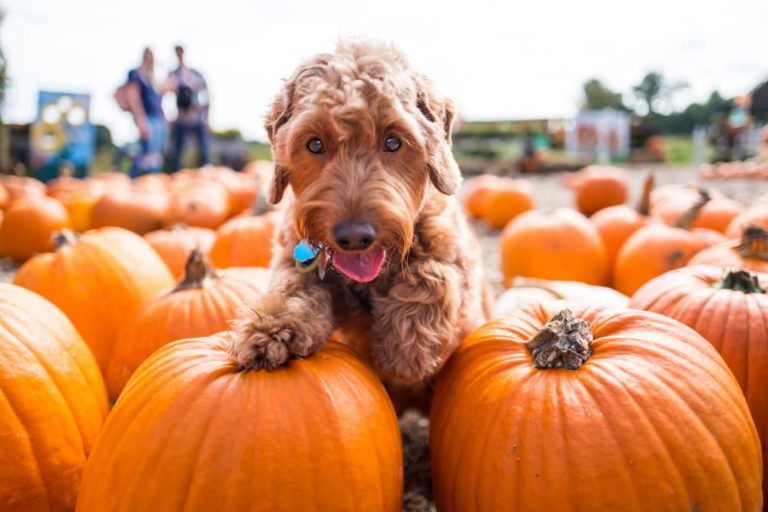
[360, 266]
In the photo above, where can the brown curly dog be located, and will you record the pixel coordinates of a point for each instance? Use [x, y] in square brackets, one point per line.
[365, 144]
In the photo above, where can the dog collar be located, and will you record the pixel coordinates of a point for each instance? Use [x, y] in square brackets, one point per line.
[309, 256]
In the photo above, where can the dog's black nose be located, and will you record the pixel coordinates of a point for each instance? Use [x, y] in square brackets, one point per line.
[354, 235]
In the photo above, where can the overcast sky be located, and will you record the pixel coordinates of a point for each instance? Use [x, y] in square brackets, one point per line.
[497, 59]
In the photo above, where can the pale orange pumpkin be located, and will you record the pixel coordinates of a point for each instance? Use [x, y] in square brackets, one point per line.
[194, 431]
[29, 225]
[244, 241]
[562, 245]
[22, 187]
[756, 216]
[52, 404]
[175, 244]
[730, 310]
[203, 303]
[596, 408]
[750, 253]
[98, 280]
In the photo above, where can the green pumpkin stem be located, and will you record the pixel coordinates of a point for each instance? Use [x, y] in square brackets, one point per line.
[563, 342]
[689, 216]
[197, 272]
[754, 243]
[65, 237]
[644, 206]
[740, 281]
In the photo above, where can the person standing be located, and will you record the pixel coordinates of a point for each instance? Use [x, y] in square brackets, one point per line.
[145, 103]
[192, 104]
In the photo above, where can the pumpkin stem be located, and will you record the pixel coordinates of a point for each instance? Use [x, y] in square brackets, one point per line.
[65, 237]
[644, 206]
[688, 217]
[196, 272]
[563, 342]
[740, 281]
[754, 243]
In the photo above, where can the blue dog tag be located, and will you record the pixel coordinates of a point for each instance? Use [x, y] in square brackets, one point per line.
[304, 251]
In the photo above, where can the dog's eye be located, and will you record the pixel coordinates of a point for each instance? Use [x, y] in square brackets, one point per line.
[315, 146]
[392, 144]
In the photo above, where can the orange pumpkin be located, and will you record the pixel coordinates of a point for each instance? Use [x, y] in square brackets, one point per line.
[508, 199]
[730, 310]
[669, 202]
[596, 408]
[203, 204]
[98, 280]
[5, 197]
[135, 209]
[174, 245]
[52, 404]
[244, 241]
[478, 192]
[658, 248]
[596, 187]
[757, 216]
[616, 223]
[561, 246]
[242, 188]
[751, 253]
[193, 431]
[22, 187]
[203, 303]
[28, 227]
[78, 197]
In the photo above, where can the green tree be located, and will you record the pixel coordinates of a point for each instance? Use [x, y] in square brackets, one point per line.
[654, 88]
[599, 97]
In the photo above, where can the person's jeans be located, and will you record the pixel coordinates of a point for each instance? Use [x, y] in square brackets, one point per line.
[150, 157]
[180, 133]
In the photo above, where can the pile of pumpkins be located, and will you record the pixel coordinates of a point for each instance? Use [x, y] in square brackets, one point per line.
[573, 401]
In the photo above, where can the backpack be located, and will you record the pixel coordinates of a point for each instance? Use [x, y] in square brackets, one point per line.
[121, 96]
[184, 97]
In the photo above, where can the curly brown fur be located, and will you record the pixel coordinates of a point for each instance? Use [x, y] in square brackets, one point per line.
[430, 292]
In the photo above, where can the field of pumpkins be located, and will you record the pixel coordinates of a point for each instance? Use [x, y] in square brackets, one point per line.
[625, 368]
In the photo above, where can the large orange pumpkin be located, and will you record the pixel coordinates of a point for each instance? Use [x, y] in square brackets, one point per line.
[52, 404]
[730, 310]
[134, 209]
[29, 225]
[617, 223]
[593, 409]
[193, 431]
[561, 246]
[98, 280]
[174, 245]
[716, 215]
[244, 241]
[203, 303]
[658, 248]
[509, 199]
[596, 187]
[750, 253]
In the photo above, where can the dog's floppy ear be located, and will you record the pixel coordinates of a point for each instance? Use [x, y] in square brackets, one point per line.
[439, 112]
[280, 112]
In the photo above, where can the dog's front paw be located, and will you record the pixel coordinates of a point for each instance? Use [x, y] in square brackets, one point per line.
[266, 340]
[255, 348]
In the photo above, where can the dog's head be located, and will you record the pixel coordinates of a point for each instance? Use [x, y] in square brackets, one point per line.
[363, 140]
